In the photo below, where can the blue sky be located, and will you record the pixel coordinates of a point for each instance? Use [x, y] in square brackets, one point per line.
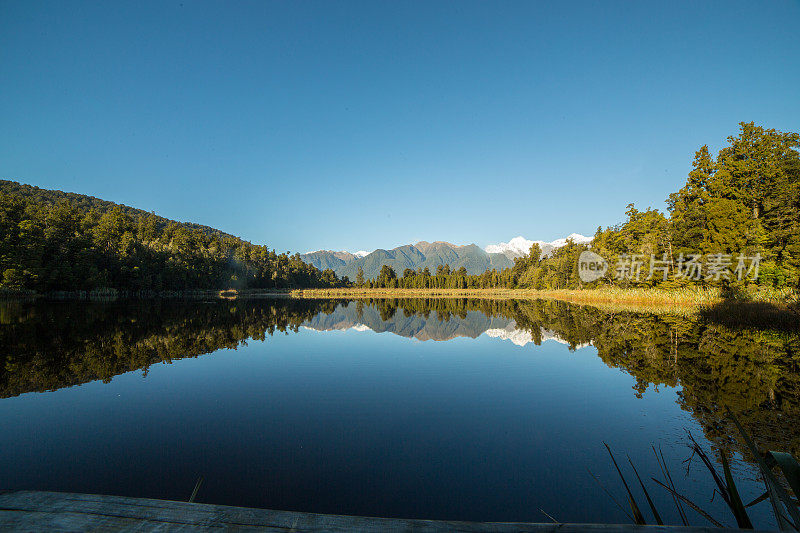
[357, 125]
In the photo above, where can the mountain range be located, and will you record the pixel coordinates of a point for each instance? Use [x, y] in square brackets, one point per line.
[432, 254]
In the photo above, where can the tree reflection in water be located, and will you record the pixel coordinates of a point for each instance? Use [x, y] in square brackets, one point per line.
[753, 371]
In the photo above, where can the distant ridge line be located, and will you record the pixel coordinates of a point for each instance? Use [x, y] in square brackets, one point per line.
[424, 254]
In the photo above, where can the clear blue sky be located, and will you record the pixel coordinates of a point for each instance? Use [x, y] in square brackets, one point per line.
[356, 125]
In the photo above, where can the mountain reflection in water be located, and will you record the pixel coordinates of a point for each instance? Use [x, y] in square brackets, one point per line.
[754, 372]
[424, 328]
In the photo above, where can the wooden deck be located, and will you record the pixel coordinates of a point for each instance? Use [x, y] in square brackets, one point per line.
[55, 511]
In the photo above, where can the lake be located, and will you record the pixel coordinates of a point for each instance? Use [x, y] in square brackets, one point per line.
[438, 408]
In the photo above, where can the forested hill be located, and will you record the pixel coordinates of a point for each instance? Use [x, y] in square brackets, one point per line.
[86, 203]
[57, 241]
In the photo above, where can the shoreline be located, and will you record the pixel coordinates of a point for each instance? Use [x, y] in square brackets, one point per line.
[680, 298]
[763, 309]
[102, 295]
[685, 300]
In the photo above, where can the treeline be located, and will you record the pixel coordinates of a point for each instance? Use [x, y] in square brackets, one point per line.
[737, 216]
[54, 241]
[559, 270]
[742, 205]
[737, 210]
[445, 278]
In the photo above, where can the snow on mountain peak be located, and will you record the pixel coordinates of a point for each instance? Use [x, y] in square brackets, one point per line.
[519, 246]
[576, 237]
[361, 253]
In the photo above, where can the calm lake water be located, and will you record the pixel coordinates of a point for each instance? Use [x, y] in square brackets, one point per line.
[450, 409]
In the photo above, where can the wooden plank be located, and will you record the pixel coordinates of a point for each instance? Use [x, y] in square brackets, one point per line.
[53, 511]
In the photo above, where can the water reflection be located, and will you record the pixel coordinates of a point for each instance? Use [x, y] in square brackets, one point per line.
[753, 371]
[420, 325]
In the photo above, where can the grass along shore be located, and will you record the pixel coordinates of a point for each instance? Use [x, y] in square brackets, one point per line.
[609, 295]
[680, 297]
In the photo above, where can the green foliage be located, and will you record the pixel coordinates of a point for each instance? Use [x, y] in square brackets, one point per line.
[54, 241]
[445, 278]
[387, 278]
[746, 201]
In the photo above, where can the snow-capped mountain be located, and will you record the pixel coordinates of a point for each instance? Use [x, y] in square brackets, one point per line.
[519, 246]
[432, 254]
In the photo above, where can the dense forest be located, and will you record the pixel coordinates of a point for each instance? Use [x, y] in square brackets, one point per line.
[743, 204]
[54, 241]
